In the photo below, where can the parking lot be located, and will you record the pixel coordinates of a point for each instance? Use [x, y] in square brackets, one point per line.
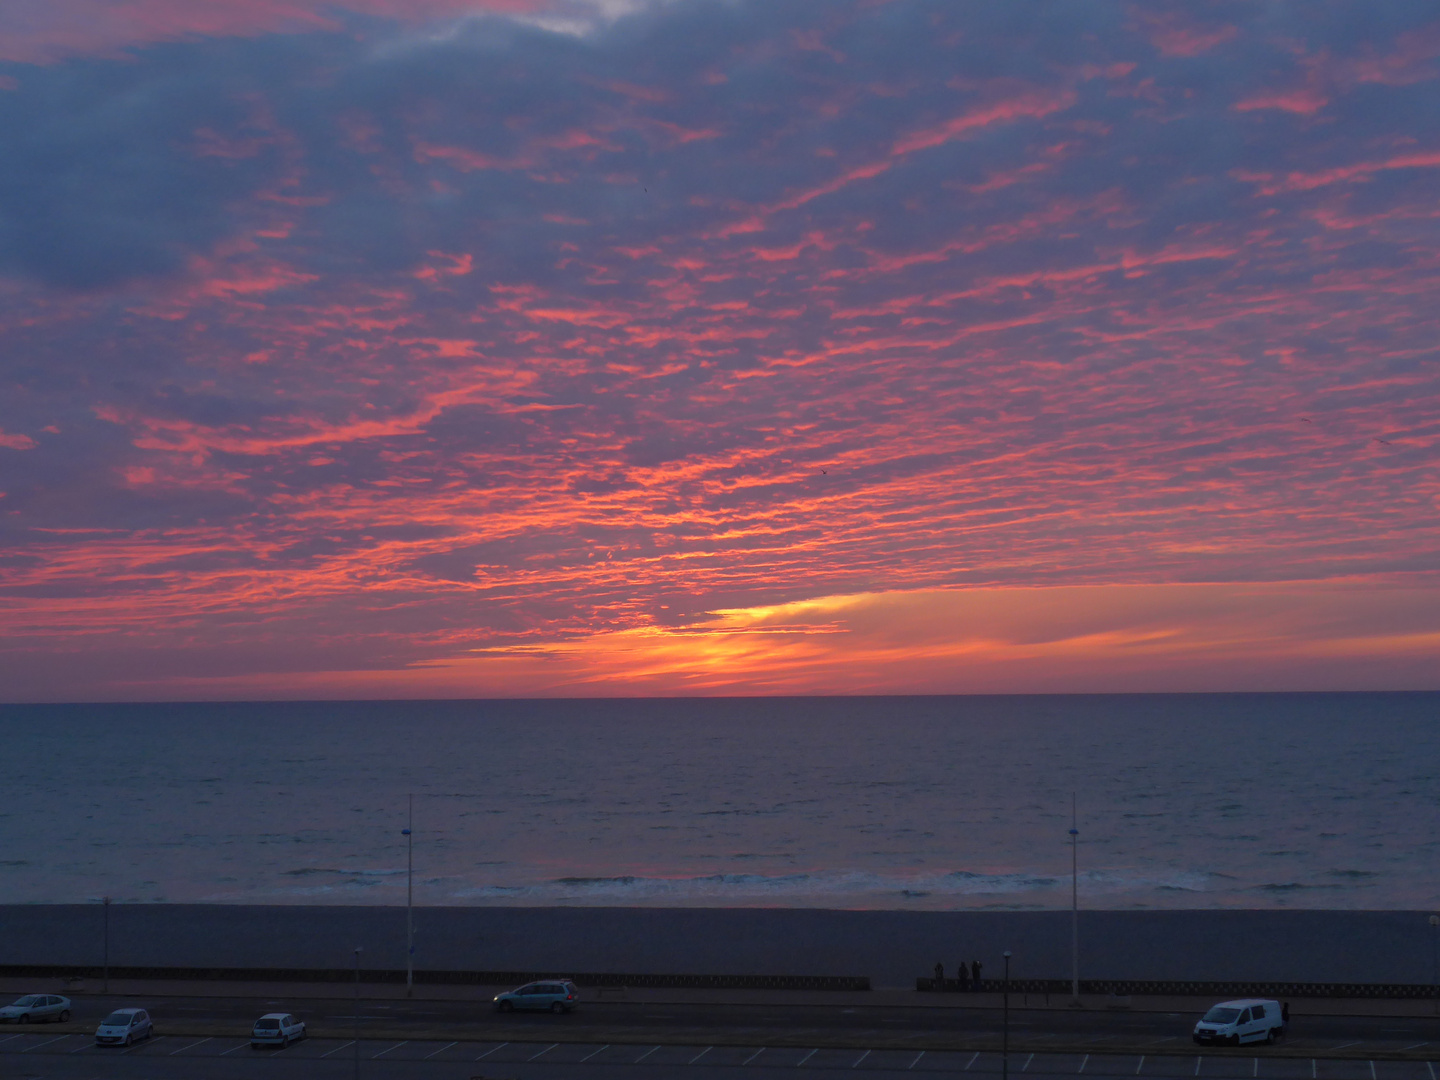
[42, 1055]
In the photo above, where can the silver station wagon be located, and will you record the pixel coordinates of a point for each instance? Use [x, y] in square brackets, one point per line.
[553, 995]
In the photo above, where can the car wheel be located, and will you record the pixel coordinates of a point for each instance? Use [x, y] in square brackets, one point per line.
[23, 1019]
[506, 1006]
[557, 1008]
[65, 1017]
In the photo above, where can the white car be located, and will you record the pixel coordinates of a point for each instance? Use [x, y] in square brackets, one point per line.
[123, 1027]
[276, 1029]
[37, 1009]
[1242, 1021]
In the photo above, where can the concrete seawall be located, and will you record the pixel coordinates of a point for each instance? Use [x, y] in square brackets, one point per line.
[891, 947]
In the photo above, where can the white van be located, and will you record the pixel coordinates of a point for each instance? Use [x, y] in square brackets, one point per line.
[1236, 1022]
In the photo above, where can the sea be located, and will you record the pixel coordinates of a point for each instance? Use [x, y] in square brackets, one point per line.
[925, 803]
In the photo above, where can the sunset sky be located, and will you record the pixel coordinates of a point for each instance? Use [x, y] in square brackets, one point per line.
[462, 348]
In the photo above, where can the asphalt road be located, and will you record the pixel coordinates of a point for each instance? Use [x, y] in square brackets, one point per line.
[848, 1024]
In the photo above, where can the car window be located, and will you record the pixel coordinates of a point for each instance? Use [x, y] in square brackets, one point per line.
[266, 1023]
[28, 999]
[1258, 1012]
[1220, 1015]
[117, 1019]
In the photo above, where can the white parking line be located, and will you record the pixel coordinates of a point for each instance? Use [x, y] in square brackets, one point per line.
[543, 1052]
[1431, 1066]
[190, 1047]
[806, 1058]
[1139, 1064]
[432, 1053]
[698, 1056]
[753, 1056]
[592, 1053]
[1372, 1070]
[861, 1058]
[1085, 1061]
[1027, 1063]
[337, 1049]
[47, 1042]
[136, 1046]
[1342, 1046]
[1312, 1069]
[972, 1061]
[487, 1053]
[1198, 1060]
[1415, 1046]
[646, 1054]
[917, 1060]
[8, 1038]
[397, 1046]
[1255, 1069]
[241, 1046]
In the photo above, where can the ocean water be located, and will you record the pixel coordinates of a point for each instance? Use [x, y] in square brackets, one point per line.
[1184, 801]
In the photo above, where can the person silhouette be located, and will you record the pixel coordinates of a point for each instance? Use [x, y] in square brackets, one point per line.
[939, 975]
[975, 968]
[962, 976]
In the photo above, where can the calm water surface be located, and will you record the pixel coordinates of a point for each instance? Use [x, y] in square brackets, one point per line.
[1185, 801]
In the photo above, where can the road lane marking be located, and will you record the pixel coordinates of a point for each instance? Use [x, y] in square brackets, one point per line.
[190, 1047]
[492, 1049]
[753, 1056]
[1084, 1061]
[1139, 1064]
[971, 1061]
[337, 1049]
[592, 1053]
[917, 1059]
[397, 1046]
[806, 1058]
[47, 1042]
[646, 1054]
[543, 1052]
[861, 1058]
[698, 1056]
[432, 1053]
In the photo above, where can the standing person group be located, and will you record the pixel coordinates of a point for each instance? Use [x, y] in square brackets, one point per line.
[967, 976]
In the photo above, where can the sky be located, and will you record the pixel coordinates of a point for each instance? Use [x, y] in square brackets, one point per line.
[475, 348]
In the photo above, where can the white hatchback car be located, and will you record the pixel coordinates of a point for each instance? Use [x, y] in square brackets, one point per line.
[123, 1027]
[276, 1029]
[1242, 1021]
[37, 1009]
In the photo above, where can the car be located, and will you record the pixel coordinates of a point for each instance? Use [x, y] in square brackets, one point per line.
[556, 995]
[37, 1009]
[123, 1027]
[276, 1029]
[1241, 1021]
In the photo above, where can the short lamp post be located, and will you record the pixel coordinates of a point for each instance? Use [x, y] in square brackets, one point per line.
[409, 833]
[106, 903]
[358, 950]
[1435, 960]
[1005, 1023]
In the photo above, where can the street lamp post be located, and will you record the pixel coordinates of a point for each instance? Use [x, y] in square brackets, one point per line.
[356, 1018]
[1435, 960]
[1005, 1023]
[410, 901]
[106, 905]
[1074, 904]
